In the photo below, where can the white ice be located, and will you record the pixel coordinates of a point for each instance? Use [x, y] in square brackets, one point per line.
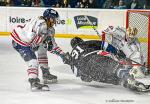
[15, 89]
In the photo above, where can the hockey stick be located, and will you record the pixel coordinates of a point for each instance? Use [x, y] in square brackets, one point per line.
[99, 35]
[92, 26]
[137, 63]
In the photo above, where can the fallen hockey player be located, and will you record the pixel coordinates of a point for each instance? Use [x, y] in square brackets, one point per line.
[98, 61]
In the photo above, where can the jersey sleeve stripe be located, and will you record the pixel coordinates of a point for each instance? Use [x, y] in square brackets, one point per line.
[37, 39]
[16, 34]
[18, 41]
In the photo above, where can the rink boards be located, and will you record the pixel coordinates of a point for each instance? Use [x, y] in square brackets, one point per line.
[73, 22]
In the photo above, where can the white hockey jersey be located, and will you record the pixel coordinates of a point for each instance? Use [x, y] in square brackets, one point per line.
[33, 33]
[117, 37]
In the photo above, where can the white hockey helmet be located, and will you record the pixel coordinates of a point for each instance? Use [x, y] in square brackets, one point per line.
[131, 32]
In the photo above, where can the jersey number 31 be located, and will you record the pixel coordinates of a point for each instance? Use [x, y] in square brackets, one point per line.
[76, 52]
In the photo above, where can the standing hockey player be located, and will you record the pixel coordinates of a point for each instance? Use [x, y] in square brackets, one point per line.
[38, 36]
[90, 62]
[126, 41]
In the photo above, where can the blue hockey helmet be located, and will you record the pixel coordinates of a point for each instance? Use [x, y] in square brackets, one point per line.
[50, 13]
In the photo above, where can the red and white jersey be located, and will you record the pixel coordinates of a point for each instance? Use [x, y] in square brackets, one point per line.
[31, 33]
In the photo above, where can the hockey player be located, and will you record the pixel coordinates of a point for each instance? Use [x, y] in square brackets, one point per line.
[126, 41]
[135, 45]
[38, 36]
[95, 61]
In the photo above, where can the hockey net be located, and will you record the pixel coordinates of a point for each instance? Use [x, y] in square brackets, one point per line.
[141, 20]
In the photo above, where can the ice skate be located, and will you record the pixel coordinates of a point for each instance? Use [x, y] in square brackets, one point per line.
[36, 86]
[47, 77]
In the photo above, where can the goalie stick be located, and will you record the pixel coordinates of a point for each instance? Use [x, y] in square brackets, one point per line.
[92, 26]
[96, 31]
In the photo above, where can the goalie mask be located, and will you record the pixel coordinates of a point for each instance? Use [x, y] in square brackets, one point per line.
[76, 41]
[131, 32]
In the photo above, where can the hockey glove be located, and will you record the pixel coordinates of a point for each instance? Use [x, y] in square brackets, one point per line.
[67, 58]
[34, 47]
[48, 43]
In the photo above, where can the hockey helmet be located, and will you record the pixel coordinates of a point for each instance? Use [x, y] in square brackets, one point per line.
[76, 41]
[50, 16]
[50, 13]
[131, 32]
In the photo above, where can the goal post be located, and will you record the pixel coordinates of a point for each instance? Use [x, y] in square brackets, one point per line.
[141, 20]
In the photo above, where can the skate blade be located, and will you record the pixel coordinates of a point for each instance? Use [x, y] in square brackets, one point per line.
[45, 88]
[45, 81]
[145, 90]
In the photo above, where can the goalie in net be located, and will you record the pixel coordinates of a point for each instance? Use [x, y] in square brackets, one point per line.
[125, 40]
[99, 61]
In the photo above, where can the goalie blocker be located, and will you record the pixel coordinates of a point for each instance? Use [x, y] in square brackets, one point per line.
[91, 64]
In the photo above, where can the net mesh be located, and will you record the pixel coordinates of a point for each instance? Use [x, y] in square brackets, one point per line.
[140, 20]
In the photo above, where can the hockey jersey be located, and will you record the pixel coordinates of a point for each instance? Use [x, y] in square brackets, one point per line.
[31, 33]
[118, 38]
[85, 50]
[34, 33]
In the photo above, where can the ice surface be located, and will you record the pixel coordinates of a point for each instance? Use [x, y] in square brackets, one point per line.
[15, 89]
